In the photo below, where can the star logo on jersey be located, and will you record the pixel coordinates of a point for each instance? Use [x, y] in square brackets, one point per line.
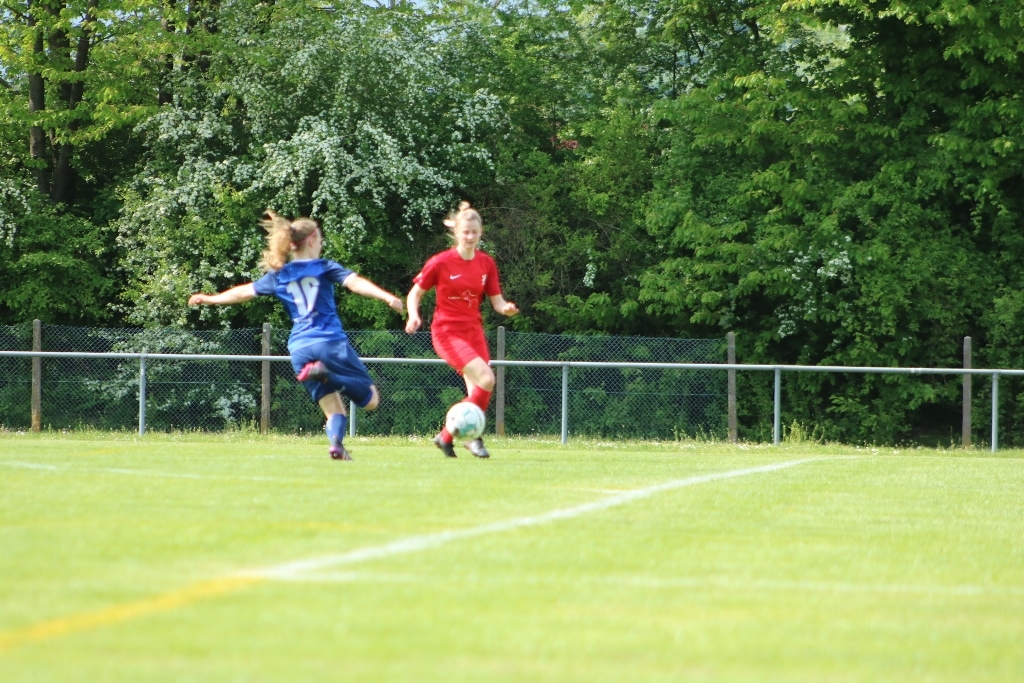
[483, 279]
[468, 297]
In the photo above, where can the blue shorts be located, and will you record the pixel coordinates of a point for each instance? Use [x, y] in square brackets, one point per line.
[348, 374]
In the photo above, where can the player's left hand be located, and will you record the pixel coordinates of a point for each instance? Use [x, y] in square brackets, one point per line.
[510, 309]
[397, 304]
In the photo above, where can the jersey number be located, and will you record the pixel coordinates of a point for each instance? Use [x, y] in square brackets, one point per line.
[304, 292]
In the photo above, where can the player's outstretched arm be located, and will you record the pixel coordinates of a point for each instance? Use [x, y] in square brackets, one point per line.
[235, 295]
[360, 285]
[413, 302]
[499, 304]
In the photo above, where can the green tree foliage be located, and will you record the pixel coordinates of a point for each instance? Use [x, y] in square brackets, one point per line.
[73, 79]
[572, 172]
[843, 189]
[77, 68]
[350, 115]
[837, 181]
[52, 264]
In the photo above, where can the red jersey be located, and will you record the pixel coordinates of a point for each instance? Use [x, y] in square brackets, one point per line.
[461, 285]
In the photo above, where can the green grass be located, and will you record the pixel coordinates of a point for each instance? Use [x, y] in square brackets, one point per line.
[126, 559]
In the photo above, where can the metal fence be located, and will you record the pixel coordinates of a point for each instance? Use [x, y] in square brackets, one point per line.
[170, 379]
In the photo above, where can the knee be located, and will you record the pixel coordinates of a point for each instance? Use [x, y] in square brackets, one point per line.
[374, 400]
[487, 380]
[479, 374]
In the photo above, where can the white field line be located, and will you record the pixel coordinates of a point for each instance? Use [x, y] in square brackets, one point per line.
[638, 581]
[811, 586]
[137, 473]
[411, 544]
[33, 465]
[354, 576]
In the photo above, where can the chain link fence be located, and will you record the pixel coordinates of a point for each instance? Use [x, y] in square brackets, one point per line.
[619, 402]
[16, 377]
[216, 395]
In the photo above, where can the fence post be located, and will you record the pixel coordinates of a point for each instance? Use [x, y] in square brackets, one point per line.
[499, 386]
[777, 422]
[730, 341]
[351, 418]
[142, 394]
[995, 411]
[265, 383]
[965, 429]
[37, 377]
[565, 404]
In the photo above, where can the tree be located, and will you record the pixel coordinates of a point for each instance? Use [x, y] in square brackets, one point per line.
[75, 76]
[348, 115]
[841, 192]
[563, 212]
[77, 69]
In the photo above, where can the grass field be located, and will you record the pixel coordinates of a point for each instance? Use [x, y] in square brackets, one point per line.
[240, 558]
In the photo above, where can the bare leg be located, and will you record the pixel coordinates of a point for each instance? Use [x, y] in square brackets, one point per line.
[332, 404]
[374, 398]
[478, 373]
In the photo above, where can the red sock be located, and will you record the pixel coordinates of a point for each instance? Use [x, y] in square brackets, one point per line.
[446, 436]
[481, 397]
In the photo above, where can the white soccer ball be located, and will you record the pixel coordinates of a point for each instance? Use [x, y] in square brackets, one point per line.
[465, 420]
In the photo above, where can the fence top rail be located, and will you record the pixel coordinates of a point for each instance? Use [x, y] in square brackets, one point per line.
[538, 363]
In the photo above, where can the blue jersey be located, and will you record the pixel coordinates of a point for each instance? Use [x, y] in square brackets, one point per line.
[307, 290]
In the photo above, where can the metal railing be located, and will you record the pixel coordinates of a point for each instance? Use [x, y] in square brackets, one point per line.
[102, 393]
[565, 366]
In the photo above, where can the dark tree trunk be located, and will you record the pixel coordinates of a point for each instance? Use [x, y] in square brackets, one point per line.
[59, 56]
[202, 15]
[61, 191]
[164, 95]
[37, 103]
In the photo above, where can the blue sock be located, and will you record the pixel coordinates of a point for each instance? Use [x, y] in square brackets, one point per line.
[336, 426]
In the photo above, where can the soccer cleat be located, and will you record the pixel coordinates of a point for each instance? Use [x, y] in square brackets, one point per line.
[315, 371]
[477, 448]
[446, 448]
[339, 453]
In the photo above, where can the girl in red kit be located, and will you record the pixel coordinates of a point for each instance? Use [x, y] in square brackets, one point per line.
[462, 276]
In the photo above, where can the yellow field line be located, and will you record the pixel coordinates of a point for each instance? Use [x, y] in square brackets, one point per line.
[215, 587]
[202, 590]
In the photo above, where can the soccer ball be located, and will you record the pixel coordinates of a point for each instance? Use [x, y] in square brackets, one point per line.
[465, 420]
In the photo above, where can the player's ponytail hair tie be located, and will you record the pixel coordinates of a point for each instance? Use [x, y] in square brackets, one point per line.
[464, 213]
[283, 237]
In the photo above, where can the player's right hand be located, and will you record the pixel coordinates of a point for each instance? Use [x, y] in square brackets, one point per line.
[197, 299]
[412, 324]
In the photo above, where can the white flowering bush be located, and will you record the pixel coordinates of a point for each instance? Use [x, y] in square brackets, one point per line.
[347, 116]
[13, 204]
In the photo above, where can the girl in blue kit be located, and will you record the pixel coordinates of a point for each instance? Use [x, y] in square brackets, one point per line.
[323, 359]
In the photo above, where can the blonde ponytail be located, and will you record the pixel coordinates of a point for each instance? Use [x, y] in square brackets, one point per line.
[282, 237]
[464, 213]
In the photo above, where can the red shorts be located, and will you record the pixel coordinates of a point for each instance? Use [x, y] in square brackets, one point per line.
[459, 346]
